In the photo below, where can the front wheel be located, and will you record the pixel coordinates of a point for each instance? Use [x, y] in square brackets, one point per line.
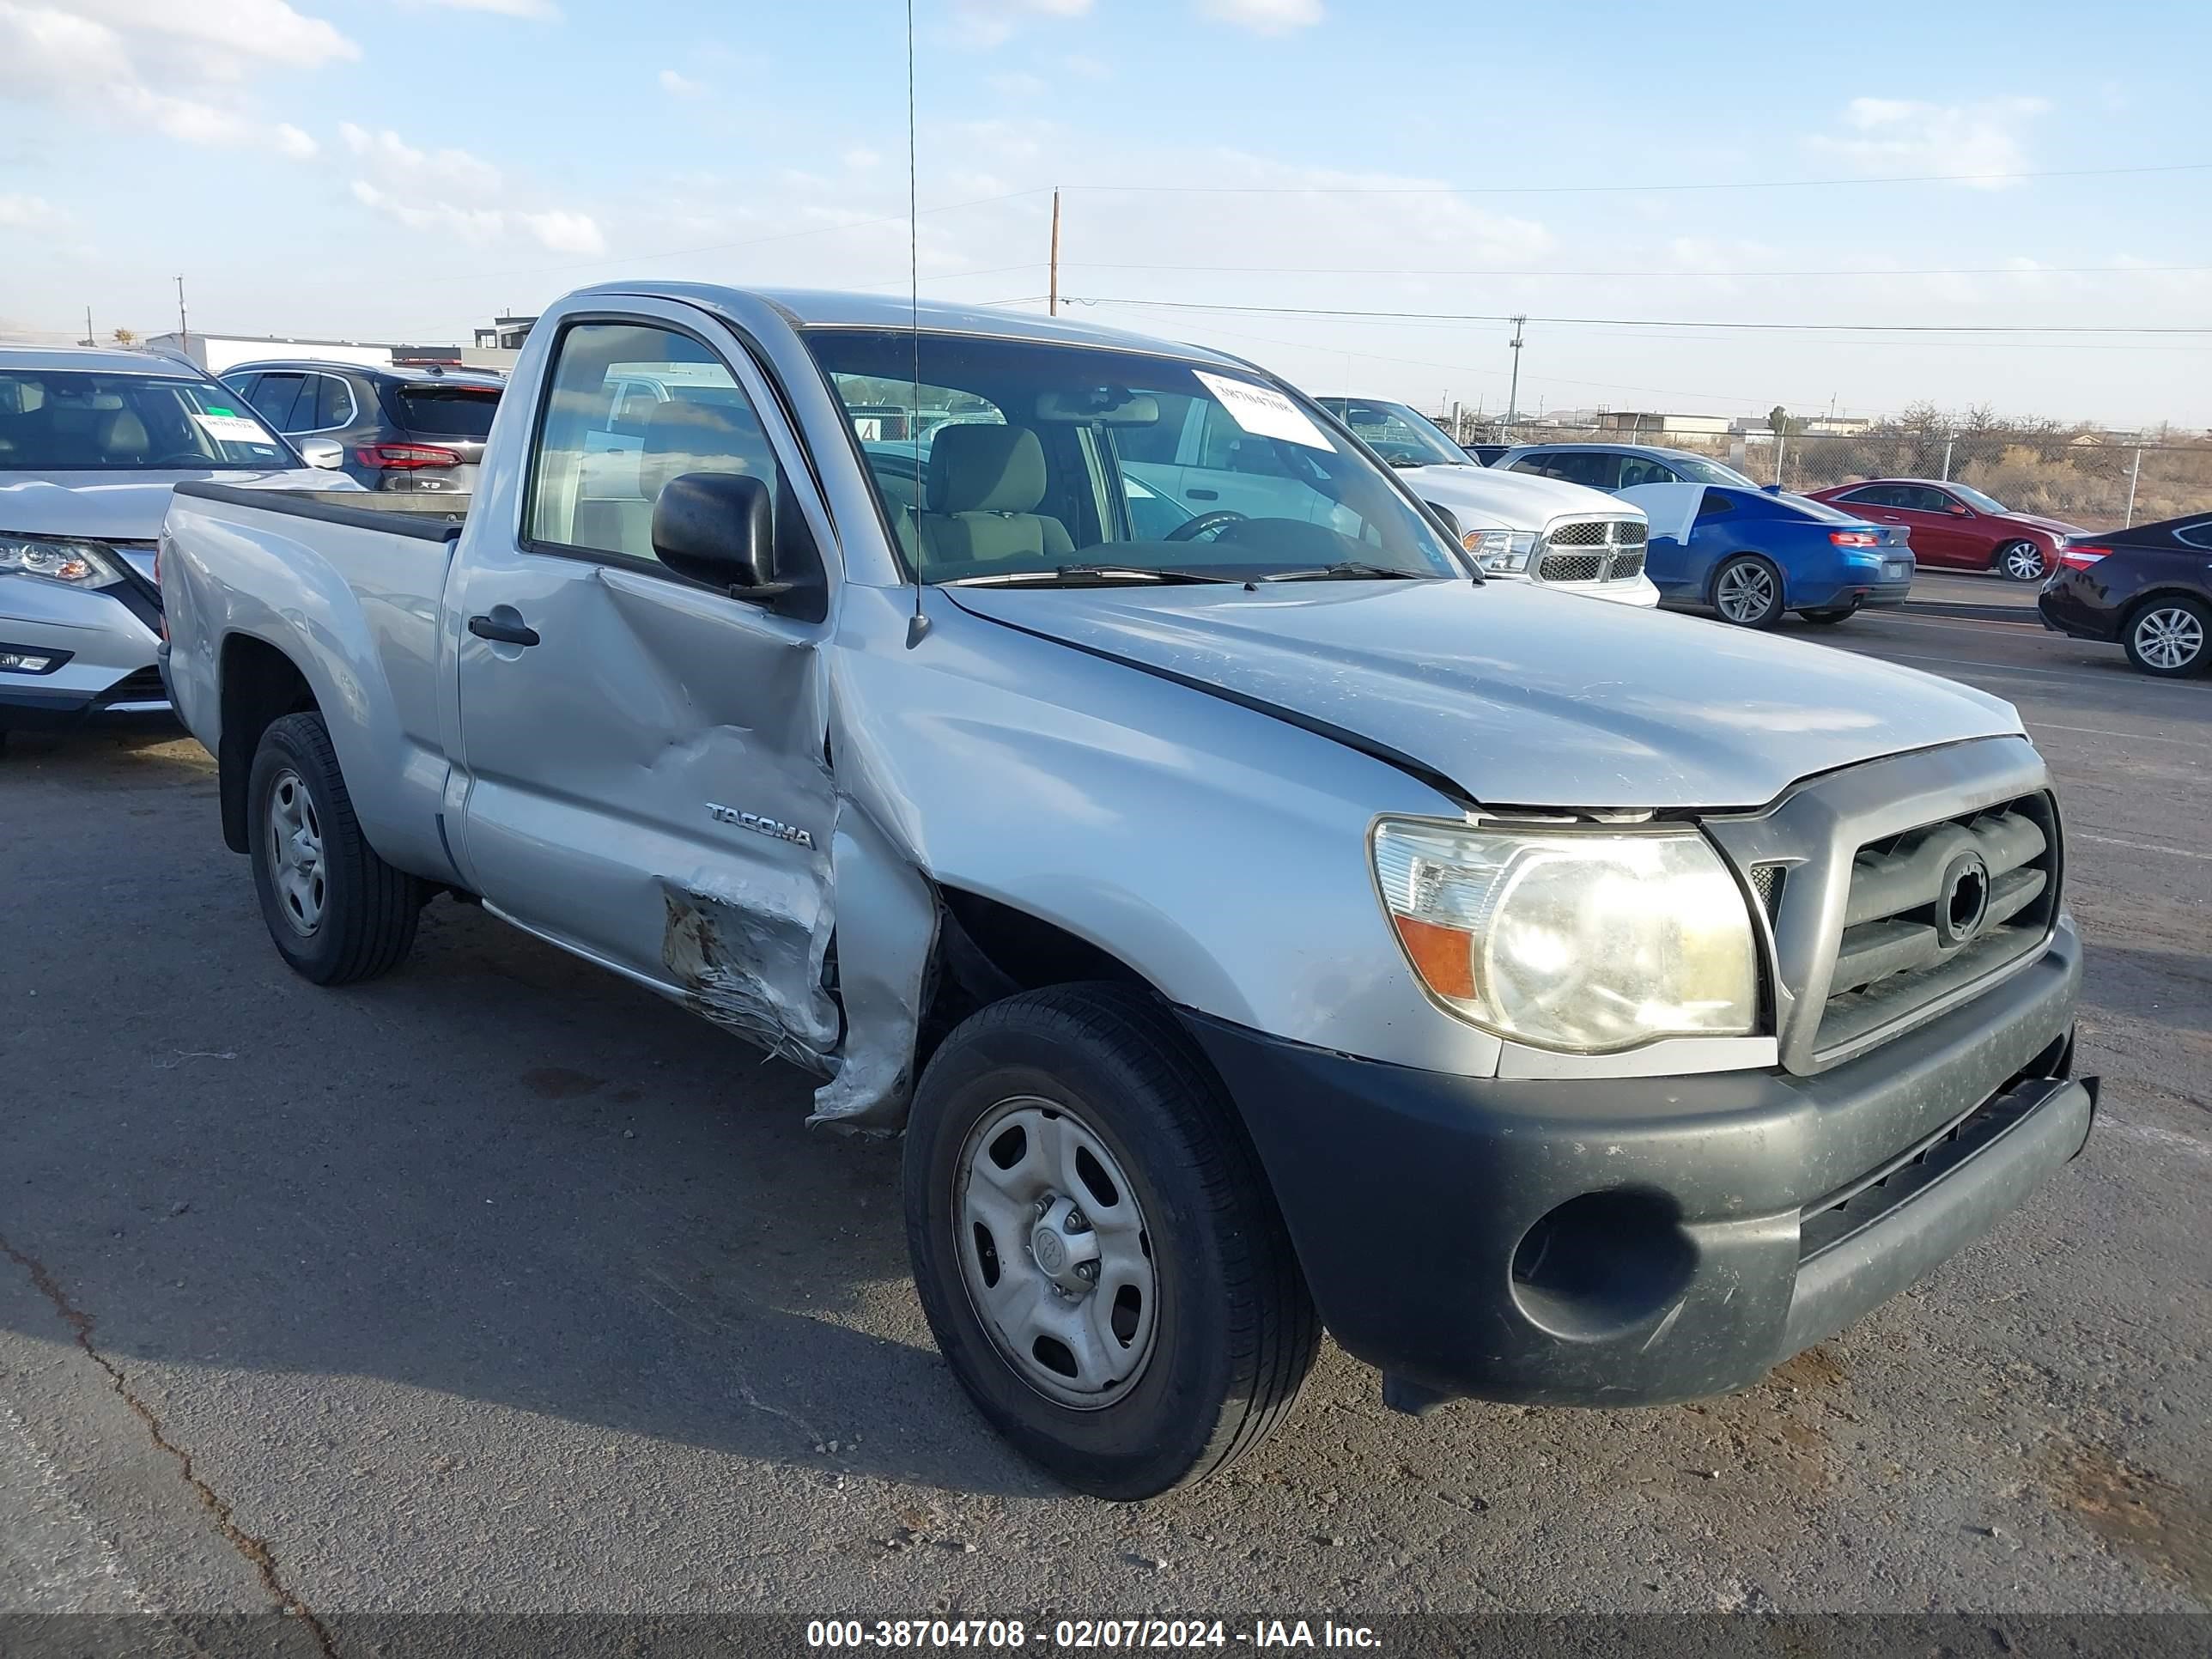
[2021, 562]
[1096, 1247]
[2167, 637]
[1747, 592]
[1832, 613]
[337, 912]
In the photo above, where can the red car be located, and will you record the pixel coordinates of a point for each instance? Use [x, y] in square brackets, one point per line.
[1955, 527]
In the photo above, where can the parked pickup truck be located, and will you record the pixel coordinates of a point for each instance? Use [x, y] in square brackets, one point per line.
[1268, 927]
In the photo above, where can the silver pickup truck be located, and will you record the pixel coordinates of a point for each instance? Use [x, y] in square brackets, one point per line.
[1256, 923]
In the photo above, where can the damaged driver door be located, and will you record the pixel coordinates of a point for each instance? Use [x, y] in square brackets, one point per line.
[642, 756]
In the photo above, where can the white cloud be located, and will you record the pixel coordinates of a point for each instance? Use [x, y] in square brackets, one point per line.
[860, 158]
[1897, 134]
[455, 193]
[542, 11]
[1264, 16]
[20, 212]
[395, 162]
[1085, 67]
[1018, 84]
[994, 22]
[564, 231]
[676, 85]
[180, 69]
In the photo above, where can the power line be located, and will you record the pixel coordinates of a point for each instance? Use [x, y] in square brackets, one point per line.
[1646, 322]
[1717, 276]
[1616, 190]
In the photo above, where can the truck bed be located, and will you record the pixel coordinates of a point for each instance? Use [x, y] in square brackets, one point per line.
[425, 517]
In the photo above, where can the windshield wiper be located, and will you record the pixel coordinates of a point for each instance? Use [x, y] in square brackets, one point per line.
[1350, 572]
[1086, 573]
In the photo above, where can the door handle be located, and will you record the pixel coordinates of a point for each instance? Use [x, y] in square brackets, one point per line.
[1203, 494]
[506, 632]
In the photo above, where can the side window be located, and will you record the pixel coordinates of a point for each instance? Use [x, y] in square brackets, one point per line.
[333, 402]
[274, 396]
[585, 495]
[2195, 535]
[1714, 505]
[1915, 499]
[1871, 495]
[1637, 469]
[1595, 467]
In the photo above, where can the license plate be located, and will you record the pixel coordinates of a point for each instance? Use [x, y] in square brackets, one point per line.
[1893, 570]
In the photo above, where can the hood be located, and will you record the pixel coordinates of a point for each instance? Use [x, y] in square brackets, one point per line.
[1525, 698]
[128, 506]
[2049, 526]
[1482, 498]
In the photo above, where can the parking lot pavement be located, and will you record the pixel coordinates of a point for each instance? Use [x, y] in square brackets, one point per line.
[500, 1284]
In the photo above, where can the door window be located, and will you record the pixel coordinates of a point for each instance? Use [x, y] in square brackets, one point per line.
[1871, 495]
[1593, 467]
[333, 405]
[1639, 469]
[274, 396]
[1918, 498]
[585, 495]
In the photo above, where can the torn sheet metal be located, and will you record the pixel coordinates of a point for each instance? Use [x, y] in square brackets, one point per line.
[887, 921]
[753, 971]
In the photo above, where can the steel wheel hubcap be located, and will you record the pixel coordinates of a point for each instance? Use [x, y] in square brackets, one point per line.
[1054, 1253]
[295, 853]
[2024, 561]
[2169, 639]
[1746, 592]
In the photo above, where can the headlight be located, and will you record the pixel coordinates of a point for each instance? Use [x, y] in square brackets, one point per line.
[1586, 941]
[76, 564]
[1500, 552]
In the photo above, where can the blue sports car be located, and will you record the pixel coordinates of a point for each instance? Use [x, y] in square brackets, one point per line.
[1719, 541]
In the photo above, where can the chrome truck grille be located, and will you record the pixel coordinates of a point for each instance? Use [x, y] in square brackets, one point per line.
[1897, 890]
[1592, 550]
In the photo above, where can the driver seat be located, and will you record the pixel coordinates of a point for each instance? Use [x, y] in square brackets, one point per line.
[984, 484]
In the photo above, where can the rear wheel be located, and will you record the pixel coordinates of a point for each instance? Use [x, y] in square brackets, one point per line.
[1747, 592]
[1832, 613]
[1095, 1246]
[2167, 636]
[2021, 562]
[337, 912]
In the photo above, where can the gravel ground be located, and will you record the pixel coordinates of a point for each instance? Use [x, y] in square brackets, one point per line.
[500, 1284]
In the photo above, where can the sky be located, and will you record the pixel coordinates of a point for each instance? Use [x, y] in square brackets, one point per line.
[1639, 182]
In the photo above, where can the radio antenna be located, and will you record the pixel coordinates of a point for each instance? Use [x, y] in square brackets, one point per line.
[917, 626]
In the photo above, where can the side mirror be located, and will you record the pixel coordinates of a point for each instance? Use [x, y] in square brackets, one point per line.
[718, 528]
[324, 454]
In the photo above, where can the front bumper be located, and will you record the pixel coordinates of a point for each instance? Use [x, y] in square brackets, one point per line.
[106, 638]
[1635, 1242]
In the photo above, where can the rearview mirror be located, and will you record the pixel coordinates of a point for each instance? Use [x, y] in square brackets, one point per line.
[718, 528]
[1099, 406]
[324, 454]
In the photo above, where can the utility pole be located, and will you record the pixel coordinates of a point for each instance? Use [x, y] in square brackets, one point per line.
[90, 338]
[1052, 300]
[1513, 395]
[184, 329]
[2134, 477]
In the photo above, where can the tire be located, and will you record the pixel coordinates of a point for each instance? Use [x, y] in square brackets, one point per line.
[344, 914]
[1740, 581]
[1208, 1354]
[2021, 562]
[1832, 613]
[2167, 636]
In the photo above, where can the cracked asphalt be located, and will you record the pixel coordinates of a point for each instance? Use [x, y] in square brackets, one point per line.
[499, 1284]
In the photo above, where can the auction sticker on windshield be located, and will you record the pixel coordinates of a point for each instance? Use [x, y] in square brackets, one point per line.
[231, 428]
[1263, 411]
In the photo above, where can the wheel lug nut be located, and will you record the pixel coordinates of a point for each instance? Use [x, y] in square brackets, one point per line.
[1087, 1270]
[1076, 1223]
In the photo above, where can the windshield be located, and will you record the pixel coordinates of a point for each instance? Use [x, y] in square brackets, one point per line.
[74, 421]
[1698, 469]
[1020, 461]
[1400, 435]
[1975, 499]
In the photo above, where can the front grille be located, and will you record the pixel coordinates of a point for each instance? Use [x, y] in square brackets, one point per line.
[1573, 567]
[1616, 552]
[1937, 908]
[1766, 883]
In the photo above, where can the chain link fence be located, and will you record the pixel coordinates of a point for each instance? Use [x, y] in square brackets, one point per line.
[2094, 481]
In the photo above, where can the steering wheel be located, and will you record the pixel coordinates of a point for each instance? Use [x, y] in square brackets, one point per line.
[1190, 530]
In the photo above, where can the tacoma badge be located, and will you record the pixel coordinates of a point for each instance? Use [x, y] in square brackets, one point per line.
[759, 825]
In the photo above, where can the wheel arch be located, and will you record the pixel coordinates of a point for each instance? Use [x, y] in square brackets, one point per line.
[259, 683]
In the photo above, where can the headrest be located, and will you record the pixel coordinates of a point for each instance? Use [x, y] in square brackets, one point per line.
[687, 435]
[985, 469]
[120, 432]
